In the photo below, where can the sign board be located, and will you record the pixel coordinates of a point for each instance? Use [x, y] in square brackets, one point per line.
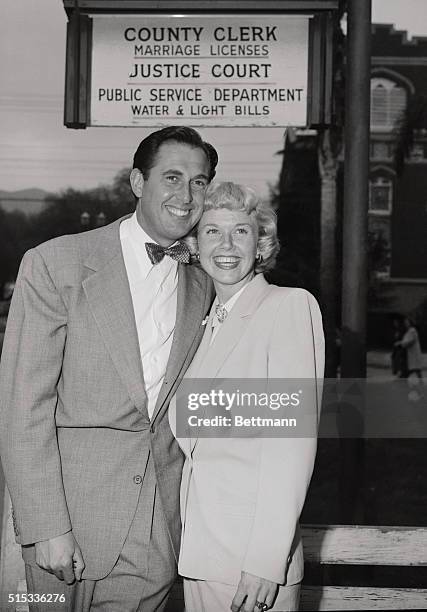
[199, 70]
[262, 63]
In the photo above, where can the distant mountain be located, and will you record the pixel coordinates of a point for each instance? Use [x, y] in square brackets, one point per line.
[27, 201]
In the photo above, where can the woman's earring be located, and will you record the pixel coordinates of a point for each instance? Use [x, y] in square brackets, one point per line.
[258, 258]
[197, 256]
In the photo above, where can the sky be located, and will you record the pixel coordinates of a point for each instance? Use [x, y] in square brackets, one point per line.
[36, 150]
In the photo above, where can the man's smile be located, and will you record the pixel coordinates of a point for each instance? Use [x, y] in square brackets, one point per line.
[178, 212]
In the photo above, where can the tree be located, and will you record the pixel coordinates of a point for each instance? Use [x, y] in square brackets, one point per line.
[297, 199]
[15, 230]
[309, 233]
[329, 148]
[122, 198]
[64, 213]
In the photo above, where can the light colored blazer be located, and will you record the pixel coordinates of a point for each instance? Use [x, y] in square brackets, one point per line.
[74, 428]
[241, 498]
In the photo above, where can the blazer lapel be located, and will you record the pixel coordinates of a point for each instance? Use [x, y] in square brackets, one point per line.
[192, 303]
[108, 294]
[234, 325]
[211, 358]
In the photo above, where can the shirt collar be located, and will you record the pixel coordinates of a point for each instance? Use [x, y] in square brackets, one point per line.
[229, 303]
[138, 237]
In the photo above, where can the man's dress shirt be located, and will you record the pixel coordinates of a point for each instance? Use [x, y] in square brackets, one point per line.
[154, 297]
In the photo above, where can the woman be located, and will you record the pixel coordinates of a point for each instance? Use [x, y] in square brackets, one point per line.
[241, 498]
[410, 342]
[399, 361]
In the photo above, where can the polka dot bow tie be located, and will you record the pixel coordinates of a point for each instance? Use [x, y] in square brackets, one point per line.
[178, 251]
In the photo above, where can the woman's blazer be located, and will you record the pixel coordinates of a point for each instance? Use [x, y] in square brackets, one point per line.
[241, 498]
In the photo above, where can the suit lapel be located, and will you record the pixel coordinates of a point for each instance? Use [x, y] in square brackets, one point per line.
[192, 302]
[201, 351]
[108, 294]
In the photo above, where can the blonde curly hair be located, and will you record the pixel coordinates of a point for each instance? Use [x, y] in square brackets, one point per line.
[233, 196]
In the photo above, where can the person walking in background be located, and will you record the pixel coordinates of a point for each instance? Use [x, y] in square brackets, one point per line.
[241, 498]
[411, 344]
[102, 326]
[399, 361]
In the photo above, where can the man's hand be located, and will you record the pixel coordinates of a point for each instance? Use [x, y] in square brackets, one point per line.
[253, 589]
[61, 556]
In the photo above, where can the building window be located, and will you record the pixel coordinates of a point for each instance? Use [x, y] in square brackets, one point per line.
[388, 100]
[380, 196]
[382, 151]
[379, 247]
[418, 152]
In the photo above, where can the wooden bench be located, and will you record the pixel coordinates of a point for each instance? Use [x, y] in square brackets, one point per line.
[323, 544]
[360, 545]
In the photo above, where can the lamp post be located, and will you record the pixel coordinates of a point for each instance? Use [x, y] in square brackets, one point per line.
[356, 190]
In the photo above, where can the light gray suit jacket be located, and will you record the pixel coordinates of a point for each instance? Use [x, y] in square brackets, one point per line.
[74, 428]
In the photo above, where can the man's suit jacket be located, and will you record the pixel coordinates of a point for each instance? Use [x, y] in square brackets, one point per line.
[241, 498]
[75, 433]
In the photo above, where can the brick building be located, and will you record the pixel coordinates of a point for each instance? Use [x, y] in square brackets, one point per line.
[397, 202]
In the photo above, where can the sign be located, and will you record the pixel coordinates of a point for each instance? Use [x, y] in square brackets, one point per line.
[157, 70]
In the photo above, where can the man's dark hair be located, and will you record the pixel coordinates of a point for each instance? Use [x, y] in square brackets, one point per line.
[145, 156]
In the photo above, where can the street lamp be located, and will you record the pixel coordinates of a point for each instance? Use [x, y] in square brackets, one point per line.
[101, 219]
[85, 219]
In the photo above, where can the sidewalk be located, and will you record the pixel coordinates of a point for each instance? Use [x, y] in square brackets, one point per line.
[382, 359]
[379, 366]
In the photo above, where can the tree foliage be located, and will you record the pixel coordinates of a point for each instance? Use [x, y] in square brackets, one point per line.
[62, 214]
[296, 197]
[307, 160]
[15, 239]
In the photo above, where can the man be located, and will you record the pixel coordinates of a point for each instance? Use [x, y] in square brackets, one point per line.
[101, 328]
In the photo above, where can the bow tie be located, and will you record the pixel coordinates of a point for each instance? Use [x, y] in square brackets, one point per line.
[178, 251]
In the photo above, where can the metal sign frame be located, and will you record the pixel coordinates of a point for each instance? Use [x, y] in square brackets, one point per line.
[79, 44]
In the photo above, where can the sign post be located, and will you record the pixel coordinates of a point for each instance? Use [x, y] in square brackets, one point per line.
[355, 234]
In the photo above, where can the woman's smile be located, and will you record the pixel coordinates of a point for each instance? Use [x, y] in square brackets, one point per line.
[226, 262]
